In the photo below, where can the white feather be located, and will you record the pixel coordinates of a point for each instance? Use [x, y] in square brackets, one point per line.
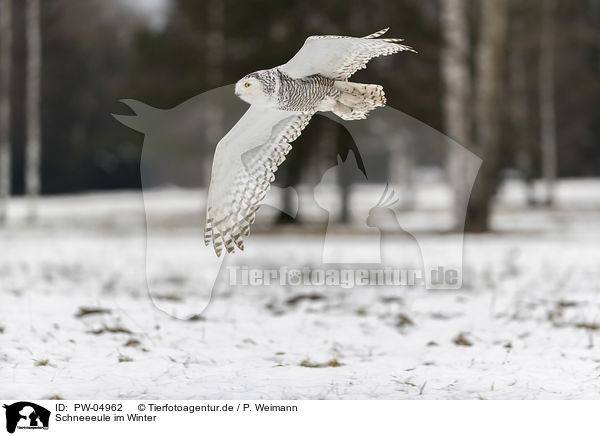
[243, 167]
[338, 57]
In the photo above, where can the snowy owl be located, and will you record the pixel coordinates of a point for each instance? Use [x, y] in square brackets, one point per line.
[283, 100]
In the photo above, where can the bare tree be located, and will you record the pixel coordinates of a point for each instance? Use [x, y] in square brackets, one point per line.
[215, 48]
[457, 84]
[401, 163]
[32, 106]
[489, 88]
[547, 109]
[519, 113]
[5, 70]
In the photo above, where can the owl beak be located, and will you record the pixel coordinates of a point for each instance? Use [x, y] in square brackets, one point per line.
[237, 89]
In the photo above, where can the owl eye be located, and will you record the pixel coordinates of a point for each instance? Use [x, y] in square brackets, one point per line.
[247, 85]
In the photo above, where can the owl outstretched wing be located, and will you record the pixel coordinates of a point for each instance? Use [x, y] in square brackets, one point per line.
[244, 166]
[339, 57]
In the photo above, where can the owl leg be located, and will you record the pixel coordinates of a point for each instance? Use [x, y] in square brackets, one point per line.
[347, 112]
[357, 99]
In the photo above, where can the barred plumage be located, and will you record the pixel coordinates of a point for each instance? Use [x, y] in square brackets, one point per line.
[305, 93]
[283, 101]
[287, 93]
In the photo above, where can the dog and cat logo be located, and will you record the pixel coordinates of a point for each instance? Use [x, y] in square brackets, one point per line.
[26, 415]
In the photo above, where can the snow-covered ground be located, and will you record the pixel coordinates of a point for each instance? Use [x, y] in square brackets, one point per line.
[76, 319]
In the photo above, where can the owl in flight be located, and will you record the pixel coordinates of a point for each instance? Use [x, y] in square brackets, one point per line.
[283, 100]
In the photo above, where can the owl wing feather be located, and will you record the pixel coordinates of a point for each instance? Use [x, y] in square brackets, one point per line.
[339, 57]
[244, 165]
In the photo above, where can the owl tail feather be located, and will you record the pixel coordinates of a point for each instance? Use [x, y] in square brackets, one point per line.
[357, 99]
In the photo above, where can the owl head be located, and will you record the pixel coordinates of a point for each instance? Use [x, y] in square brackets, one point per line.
[252, 89]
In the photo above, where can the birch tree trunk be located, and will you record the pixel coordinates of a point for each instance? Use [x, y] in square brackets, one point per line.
[547, 109]
[5, 70]
[457, 84]
[32, 107]
[489, 88]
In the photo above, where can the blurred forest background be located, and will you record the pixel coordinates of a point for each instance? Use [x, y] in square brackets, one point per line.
[94, 271]
[518, 83]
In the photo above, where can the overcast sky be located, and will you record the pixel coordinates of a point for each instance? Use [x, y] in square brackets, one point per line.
[152, 6]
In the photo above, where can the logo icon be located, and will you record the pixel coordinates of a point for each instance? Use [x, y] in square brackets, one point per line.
[26, 415]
